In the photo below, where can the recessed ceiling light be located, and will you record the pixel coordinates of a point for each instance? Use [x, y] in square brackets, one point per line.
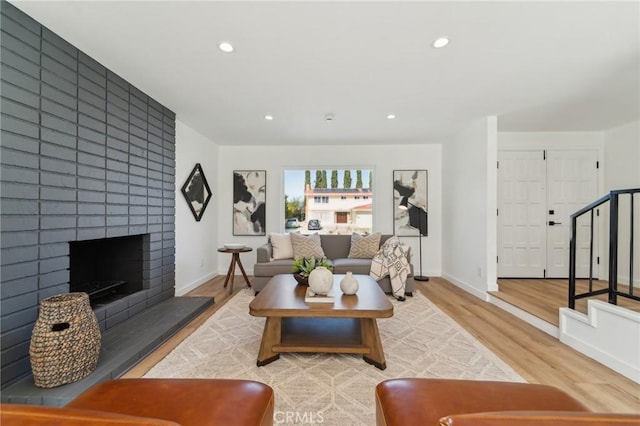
[268, 117]
[391, 116]
[225, 46]
[440, 42]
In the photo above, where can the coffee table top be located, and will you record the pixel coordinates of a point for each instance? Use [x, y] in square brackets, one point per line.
[283, 297]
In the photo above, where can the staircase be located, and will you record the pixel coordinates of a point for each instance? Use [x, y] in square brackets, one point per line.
[615, 240]
[607, 333]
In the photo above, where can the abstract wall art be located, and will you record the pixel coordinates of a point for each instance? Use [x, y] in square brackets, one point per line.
[249, 202]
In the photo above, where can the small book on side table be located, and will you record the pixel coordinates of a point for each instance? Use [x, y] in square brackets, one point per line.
[311, 297]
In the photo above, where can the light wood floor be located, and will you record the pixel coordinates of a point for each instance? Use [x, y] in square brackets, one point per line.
[543, 298]
[535, 355]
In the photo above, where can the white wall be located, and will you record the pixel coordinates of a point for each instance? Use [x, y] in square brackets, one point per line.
[469, 194]
[622, 171]
[382, 159]
[465, 166]
[622, 156]
[196, 242]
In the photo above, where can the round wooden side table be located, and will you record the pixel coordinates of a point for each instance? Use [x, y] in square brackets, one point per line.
[235, 259]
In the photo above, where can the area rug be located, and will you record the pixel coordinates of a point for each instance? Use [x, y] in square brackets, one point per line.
[333, 389]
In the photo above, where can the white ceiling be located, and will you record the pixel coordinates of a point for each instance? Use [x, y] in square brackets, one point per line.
[538, 66]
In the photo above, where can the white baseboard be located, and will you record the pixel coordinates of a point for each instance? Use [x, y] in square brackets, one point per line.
[182, 290]
[465, 286]
[608, 333]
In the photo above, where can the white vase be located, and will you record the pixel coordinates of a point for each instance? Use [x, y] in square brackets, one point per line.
[321, 280]
[349, 285]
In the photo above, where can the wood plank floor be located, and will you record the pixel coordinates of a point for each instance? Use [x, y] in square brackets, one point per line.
[543, 298]
[535, 355]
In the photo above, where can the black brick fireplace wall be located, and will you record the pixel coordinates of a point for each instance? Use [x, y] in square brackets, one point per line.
[84, 155]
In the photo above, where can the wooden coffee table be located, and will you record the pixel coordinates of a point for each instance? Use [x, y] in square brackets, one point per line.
[348, 325]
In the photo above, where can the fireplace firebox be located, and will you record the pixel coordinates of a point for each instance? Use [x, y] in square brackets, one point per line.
[107, 269]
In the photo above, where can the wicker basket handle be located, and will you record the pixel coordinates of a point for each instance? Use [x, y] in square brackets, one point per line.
[60, 326]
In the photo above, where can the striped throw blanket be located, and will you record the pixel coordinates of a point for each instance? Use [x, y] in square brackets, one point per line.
[393, 260]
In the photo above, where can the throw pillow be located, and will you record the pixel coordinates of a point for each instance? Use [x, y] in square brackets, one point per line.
[306, 246]
[364, 246]
[281, 245]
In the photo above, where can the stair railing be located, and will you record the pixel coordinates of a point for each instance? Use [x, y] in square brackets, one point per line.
[612, 289]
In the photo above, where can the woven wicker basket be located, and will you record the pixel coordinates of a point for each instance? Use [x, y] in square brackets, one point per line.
[65, 343]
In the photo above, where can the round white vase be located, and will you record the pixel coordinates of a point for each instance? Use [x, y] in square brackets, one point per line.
[321, 280]
[349, 285]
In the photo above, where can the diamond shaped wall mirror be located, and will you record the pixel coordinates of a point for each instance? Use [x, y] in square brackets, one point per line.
[197, 192]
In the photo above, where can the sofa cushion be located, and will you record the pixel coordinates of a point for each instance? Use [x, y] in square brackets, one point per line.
[364, 246]
[357, 266]
[281, 246]
[335, 246]
[275, 267]
[307, 246]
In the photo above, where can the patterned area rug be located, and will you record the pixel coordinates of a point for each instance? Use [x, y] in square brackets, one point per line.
[333, 389]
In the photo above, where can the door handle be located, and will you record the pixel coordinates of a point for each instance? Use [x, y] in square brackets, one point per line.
[552, 223]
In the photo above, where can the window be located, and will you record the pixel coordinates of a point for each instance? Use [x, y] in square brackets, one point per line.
[327, 196]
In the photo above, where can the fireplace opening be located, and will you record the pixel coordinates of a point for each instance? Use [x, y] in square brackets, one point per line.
[107, 269]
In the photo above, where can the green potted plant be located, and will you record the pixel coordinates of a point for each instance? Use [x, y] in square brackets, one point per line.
[303, 266]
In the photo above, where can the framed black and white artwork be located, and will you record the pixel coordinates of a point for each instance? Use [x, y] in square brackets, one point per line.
[197, 192]
[249, 202]
[410, 203]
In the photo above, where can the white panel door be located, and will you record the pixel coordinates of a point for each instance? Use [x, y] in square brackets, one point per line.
[521, 214]
[572, 183]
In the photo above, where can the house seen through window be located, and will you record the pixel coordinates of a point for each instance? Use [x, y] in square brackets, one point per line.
[337, 201]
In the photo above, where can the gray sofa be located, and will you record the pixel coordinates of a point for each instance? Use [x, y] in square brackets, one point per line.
[336, 249]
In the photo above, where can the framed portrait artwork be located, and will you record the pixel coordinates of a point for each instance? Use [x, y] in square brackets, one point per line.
[197, 192]
[249, 202]
[410, 203]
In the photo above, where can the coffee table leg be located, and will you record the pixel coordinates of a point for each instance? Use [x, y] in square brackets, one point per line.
[270, 337]
[371, 339]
